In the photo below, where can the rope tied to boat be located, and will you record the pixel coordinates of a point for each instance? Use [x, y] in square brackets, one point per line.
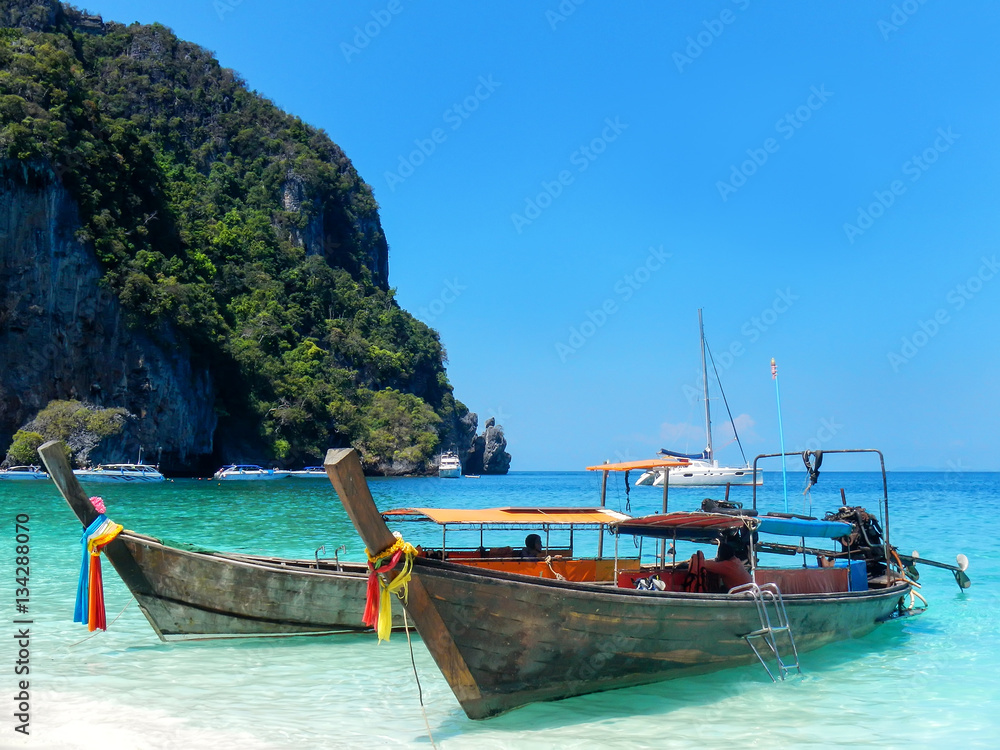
[89, 608]
[558, 576]
[812, 470]
[378, 602]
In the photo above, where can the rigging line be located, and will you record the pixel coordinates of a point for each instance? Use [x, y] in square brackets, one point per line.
[723, 392]
[420, 692]
[97, 632]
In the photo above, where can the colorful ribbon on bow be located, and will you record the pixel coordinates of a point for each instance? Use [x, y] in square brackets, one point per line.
[89, 608]
[378, 603]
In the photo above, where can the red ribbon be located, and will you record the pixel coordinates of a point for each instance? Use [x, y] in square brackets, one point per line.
[96, 617]
[372, 599]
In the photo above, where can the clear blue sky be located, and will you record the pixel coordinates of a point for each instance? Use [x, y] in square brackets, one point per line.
[734, 138]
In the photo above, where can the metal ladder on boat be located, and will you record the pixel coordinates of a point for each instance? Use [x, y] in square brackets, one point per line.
[773, 625]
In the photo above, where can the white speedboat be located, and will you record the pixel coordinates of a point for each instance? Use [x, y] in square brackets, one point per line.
[16, 473]
[249, 472]
[120, 473]
[450, 466]
[702, 469]
[310, 472]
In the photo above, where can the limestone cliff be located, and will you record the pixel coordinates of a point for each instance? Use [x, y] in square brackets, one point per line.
[488, 454]
[174, 244]
[63, 335]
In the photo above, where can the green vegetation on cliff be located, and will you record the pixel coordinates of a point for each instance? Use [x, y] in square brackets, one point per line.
[218, 216]
[80, 426]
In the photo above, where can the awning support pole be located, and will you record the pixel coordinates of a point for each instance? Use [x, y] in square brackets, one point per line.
[663, 542]
[600, 532]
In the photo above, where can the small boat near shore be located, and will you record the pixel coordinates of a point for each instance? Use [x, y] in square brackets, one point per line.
[120, 473]
[188, 592]
[21, 473]
[503, 639]
[309, 472]
[450, 466]
[248, 473]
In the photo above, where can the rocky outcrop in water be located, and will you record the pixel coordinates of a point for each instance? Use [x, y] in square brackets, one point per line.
[488, 454]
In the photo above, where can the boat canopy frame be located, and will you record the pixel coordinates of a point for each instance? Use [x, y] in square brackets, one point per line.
[883, 507]
[544, 519]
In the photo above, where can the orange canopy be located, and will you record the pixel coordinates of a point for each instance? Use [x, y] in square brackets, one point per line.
[521, 516]
[629, 465]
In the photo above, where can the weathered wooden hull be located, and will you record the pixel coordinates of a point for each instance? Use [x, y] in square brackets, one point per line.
[199, 594]
[188, 594]
[519, 640]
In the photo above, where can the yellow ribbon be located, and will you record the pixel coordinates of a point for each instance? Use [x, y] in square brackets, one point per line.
[108, 531]
[397, 586]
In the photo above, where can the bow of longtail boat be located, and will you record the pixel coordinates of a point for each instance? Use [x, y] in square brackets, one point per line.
[503, 640]
[187, 593]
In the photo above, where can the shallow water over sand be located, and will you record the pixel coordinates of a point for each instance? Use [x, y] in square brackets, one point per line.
[921, 682]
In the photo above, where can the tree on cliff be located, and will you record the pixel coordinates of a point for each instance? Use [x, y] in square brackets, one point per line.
[223, 222]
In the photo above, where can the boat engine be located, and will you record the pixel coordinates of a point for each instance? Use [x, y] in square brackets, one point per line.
[865, 538]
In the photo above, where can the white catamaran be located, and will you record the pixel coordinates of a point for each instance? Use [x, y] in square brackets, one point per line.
[703, 469]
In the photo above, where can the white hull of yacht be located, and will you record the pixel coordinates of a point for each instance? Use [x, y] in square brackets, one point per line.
[119, 474]
[255, 474]
[700, 475]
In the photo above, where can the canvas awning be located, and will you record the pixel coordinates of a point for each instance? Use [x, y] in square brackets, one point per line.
[509, 517]
[804, 527]
[690, 526]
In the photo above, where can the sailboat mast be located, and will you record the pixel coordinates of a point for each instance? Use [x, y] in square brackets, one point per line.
[704, 378]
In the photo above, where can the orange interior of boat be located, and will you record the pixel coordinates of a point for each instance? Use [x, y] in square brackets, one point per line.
[562, 563]
[589, 570]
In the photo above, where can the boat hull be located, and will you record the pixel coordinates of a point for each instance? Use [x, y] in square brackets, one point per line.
[523, 639]
[263, 476]
[450, 473]
[111, 478]
[189, 594]
[714, 477]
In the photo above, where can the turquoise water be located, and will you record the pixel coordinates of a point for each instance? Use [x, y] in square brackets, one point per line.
[926, 681]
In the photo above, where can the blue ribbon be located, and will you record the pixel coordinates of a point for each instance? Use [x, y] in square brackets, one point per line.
[80, 611]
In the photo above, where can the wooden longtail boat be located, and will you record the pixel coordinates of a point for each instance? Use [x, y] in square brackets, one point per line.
[502, 639]
[186, 593]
